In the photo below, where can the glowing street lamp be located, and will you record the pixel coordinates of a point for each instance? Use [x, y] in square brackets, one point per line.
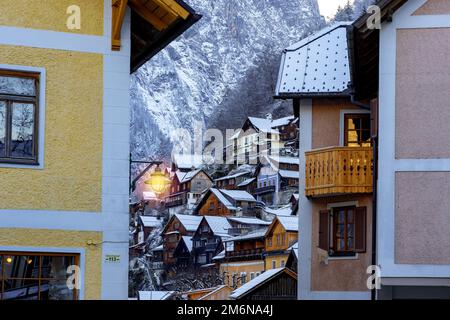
[158, 181]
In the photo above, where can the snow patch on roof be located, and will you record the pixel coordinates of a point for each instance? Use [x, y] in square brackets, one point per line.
[289, 174]
[238, 195]
[283, 211]
[149, 221]
[263, 277]
[288, 160]
[188, 242]
[232, 176]
[251, 221]
[189, 222]
[219, 225]
[246, 182]
[251, 235]
[222, 199]
[289, 223]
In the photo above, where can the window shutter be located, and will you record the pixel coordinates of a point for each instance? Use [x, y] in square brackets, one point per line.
[360, 229]
[324, 230]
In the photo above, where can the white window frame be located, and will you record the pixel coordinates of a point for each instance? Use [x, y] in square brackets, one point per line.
[41, 128]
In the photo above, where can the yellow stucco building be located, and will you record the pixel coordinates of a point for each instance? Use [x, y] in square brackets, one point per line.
[64, 140]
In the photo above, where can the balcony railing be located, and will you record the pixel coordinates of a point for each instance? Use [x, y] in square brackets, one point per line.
[339, 170]
[266, 189]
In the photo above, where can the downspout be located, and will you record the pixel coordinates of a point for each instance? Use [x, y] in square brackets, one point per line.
[374, 140]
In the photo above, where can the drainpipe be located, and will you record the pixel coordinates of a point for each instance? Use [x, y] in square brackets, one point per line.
[374, 140]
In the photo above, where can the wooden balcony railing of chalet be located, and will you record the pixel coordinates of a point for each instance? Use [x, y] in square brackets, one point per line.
[339, 170]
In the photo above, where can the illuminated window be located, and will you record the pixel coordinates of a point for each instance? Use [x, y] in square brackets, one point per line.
[36, 276]
[357, 130]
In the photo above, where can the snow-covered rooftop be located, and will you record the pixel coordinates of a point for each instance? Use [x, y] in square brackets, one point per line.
[188, 242]
[319, 64]
[189, 222]
[282, 121]
[246, 182]
[149, 221]
[263, 125]
[289, 174]
[251, 235]
[223, 199]
[221, 255]
[263, 277]
[288, 160]
[283, 211]
[251, 221]
[294, 249]
[158, 248]
[238, 195]
[232, 176]
[186, 176]
[219, 225]
[155, 295]
[289, 223]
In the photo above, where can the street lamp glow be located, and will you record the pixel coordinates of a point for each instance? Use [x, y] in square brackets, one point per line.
[158, 181]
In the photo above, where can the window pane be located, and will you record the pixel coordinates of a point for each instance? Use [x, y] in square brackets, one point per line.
[21, 266]
[366, 123]
[2, 128]
[56, 267]
[350, 244]
[22, 130]
[17, 86]
[56, 290]
[21, 289]
[353, 123]
[365, 136]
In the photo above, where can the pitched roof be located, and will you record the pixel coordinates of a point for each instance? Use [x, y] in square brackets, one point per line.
[294, 249]
[188, 176]
[288, 160]
[250, 221]
[222, 199]
[251, 235]
[149, 221]
[282, 121]
[188, 242]
[318, 64]
[238, 195]
[189, 222]
[283, 211]
[289, 174]
[263, 125]
[289, 223]
[218, 225]
[246, 182]
[188, 161]
[258, 281]
[234, 175]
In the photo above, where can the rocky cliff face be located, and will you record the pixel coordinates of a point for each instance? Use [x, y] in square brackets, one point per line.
[220, 71]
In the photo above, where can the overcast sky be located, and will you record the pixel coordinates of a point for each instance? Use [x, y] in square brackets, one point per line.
[328, 7]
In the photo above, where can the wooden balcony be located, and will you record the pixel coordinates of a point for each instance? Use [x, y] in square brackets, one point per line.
[339, 170]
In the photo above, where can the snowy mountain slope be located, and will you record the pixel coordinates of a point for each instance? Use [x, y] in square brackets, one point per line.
[221, 70]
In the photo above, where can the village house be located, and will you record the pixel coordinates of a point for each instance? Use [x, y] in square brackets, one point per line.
[243, 259]
[233, 180]
[144, 226]
[69, 154]
[186, 189]
[221, 202]
[179, 225]
[157, 258]
[277, 180]
[274, 284]
[367, 166]
[183, 252]
[208, 239]
[260, 137]
[279, 237]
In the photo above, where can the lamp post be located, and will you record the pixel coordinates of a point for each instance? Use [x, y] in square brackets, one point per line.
[157, 182]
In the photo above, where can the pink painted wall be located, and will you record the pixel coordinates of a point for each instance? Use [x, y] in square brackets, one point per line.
[434, 7]
[422, 217]
[422, 94]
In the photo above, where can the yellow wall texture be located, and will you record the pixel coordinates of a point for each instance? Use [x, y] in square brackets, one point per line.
[229, 270]
[63, 239]
[278, 258]
[52, 15]
[72, 174]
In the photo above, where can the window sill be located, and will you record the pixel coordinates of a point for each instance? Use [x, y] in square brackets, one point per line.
[347, 257]
[32, 165]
